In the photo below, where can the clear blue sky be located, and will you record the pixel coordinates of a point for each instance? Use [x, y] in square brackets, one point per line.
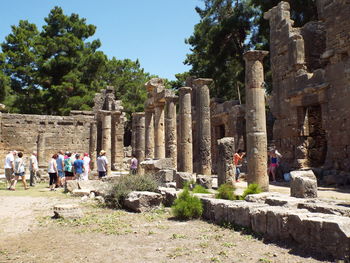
[152, 31]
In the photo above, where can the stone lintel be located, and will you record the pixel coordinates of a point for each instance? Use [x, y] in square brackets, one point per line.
[253, 55]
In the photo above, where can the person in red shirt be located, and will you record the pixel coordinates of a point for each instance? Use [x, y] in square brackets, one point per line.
[237, 159]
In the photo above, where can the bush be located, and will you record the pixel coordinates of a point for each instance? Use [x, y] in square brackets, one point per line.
[226, 191]
[187, 206]
[251, 189]
[128, 183]
[198, 189]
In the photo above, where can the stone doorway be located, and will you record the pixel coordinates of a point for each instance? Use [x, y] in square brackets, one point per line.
[314, 136]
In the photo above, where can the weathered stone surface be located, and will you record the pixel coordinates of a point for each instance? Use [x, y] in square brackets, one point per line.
[142, 201]
[260, 198]
[81, 192]
[181, 178]
[325, 208]
[72, 185]
[225, 166]
[303, 184]
[165, 176]
[169, 195]
[283, 200]
[205, 181]
[256, 119]
[67, 211]
[153, 166]
[170, 185]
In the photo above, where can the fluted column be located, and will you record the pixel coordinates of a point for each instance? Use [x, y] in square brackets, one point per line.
[149, 133]
[203, 124]
[106, 136]
[93, 145]
[170, 129]
[159, 140]
[186, 161]
[117, 152]
[139, 118]
[256, 119]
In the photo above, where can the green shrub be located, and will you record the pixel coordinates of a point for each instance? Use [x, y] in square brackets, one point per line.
[128, 183]
[251, 189]
[187, 206]
[226, 191]
[198, 189]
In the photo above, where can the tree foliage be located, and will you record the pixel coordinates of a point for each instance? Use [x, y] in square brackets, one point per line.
[56, 70]
[228, 28]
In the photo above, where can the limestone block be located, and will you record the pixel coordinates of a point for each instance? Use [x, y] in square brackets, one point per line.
[72, 185]
[303, 184]
[81, 192]
[142, 201]
[153, 166]
[170, 185]
[165, 176]
[283, 200]
[67, 211]
[325, 208]
[169, 195]
[181, 178]
[277, 218]
[260, 198]
[205, 181]
[258, 219]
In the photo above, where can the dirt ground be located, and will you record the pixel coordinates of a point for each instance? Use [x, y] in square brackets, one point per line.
[28, 234]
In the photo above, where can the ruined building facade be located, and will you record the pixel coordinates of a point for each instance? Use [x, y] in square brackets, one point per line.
[311, 85]
[82, 131]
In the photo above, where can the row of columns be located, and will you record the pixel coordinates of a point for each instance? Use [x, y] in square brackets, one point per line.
[158, 125]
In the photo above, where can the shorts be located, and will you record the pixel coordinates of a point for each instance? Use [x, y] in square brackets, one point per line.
[69, 174]
[101, 174]
[9, 174]
[19, 174]
[61, 174]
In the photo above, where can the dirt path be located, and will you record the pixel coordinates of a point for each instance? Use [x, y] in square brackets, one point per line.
[28, 234]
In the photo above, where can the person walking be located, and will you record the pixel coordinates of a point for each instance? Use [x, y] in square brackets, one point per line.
[237, 158]
[86, 161]
[102, 164]
[78, 167]
[60, 169]
[53, 172]
[10, 167]
[33, 169]
[19, 172]
[274, 159]
[133, 165]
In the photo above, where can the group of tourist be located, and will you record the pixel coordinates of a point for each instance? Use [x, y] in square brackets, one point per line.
[273, 162]
[61, 168]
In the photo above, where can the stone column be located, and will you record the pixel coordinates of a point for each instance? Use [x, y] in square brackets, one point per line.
[256, 119]
[140, 138]
[106, 136]
[186, 158]
[159, 141]
[170, 130]
[133, 138]
[225, 166]
[203, 125]
[117, 153]
[149, 133]
[93, 145]
[41, 150]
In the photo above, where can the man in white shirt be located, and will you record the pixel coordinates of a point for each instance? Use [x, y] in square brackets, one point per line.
[102, 164]
[33, 168]
[10, 167]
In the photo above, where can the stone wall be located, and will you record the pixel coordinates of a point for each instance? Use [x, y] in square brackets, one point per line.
[311, 81]
[44, 134]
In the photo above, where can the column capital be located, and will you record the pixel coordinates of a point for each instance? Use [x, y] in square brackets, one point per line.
[171, 99]
[202, 82]
[138, 114]
[104, 112]
[185, 90]
[253, 55]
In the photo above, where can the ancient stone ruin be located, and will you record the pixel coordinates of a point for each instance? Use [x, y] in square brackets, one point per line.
[311, 80]
[82, 131]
